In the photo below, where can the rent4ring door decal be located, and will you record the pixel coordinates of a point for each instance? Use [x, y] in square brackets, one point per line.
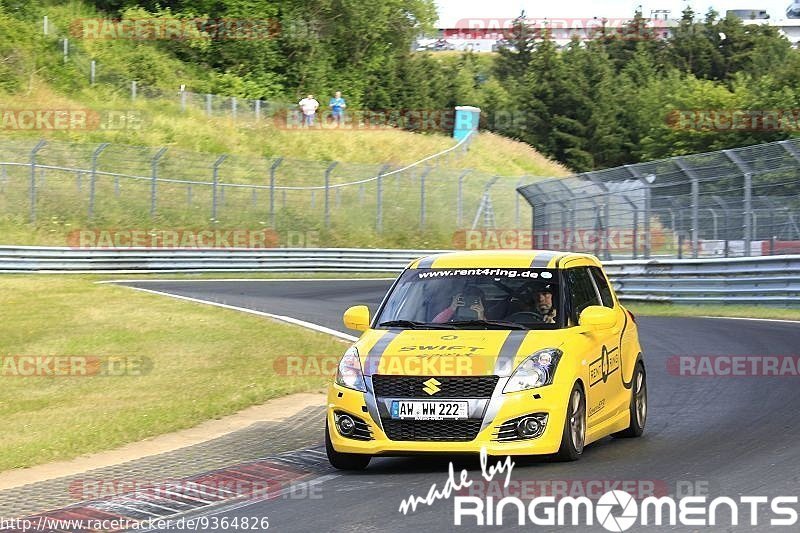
[605, 365]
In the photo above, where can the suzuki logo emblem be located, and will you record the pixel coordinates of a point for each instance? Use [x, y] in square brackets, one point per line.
[431, 386]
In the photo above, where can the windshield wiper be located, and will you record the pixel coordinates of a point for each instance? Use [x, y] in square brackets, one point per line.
[494, 324]
[406, 324]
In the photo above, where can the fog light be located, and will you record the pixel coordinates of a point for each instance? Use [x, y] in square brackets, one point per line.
[346, 425]
[529, 427]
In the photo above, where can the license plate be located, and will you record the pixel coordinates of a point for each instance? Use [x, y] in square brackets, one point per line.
[427, 410]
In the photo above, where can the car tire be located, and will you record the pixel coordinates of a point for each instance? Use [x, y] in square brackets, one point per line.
[638, 406]
[573, 435]
[344, 461]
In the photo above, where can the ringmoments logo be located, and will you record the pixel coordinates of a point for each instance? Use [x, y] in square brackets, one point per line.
[615, 510]
[618, 511]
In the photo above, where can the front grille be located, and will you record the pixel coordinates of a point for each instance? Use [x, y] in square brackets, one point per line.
[449, 387]
[432, 430]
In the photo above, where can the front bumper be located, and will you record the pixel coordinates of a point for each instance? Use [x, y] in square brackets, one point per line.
[551, 400]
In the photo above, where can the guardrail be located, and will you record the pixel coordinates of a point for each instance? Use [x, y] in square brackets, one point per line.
[772, 280]
[752, 280]
[152, 260]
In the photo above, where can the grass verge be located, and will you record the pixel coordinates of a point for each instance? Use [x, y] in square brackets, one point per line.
[733, 311]
[202, 363]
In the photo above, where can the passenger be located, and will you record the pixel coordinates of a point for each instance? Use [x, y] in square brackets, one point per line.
[472, 297]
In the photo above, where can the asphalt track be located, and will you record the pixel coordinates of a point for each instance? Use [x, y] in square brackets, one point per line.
[723, 436]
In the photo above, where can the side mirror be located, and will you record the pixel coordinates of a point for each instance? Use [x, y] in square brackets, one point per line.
[597, 317]
[357, 318]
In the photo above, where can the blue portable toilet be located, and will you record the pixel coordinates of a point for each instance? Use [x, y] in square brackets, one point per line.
[467, 120]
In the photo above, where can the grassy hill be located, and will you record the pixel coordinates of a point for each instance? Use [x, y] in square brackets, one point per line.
[36, 77]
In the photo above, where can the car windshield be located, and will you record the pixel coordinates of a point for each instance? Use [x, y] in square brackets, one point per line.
[473, 298]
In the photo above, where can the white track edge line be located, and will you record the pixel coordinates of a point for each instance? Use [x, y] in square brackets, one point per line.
[287, 319]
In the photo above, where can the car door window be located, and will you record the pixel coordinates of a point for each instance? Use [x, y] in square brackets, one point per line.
[582, 291]
[602, 287]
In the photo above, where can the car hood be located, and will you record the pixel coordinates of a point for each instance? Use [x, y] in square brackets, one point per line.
[451, 352]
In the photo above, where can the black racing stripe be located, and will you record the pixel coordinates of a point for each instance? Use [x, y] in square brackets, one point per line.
[542, 259]
[427, 262]
[626, 384]
[376, 352]
[508, 352]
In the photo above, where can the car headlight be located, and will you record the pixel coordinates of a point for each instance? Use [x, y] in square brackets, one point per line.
[535, 371]
[349, 373]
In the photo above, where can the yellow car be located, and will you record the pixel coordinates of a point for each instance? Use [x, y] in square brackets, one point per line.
[517, 352]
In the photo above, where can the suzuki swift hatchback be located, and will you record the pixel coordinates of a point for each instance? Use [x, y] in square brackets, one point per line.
[517, 352]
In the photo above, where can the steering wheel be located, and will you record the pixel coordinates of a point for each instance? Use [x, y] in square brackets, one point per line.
[524, 316]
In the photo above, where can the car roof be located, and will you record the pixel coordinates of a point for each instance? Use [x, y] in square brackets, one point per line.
[505, 259]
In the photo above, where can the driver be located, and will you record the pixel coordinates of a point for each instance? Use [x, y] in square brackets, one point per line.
[543, 301]
[468, 305]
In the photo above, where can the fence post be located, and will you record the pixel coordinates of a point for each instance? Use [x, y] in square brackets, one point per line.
[517, 205]
[606, 213]
[154, 179]
[215, 173]
[748, 212]
[635, 224]
[258, 109]
[183, 101]
[133, 90]
[646, 181]
[327, 192]
[379, 200]
[272, 170]
[92, 71]
[233, 107]
[208, 104]
[95, 155]
[66, 49]
[460, 198]
[34, 151]
[695, 183]
[422, 197]
[648, 207]
[748, 197]
[45, 25]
